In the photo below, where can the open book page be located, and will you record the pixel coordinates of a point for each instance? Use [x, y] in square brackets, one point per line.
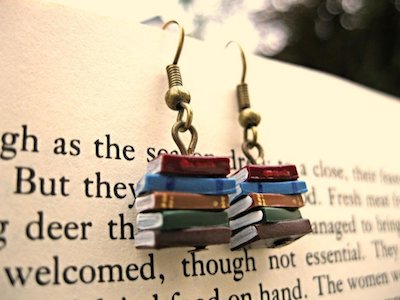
[82, 112]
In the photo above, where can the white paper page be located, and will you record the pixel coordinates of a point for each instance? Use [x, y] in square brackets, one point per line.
[67, 74]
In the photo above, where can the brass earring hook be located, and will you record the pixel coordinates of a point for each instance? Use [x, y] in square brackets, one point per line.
[248, 118]
[178, 98]
[181, 39]
[244, 64]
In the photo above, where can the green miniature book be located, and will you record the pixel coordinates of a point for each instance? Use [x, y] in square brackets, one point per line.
[180, 219]
[265, 215]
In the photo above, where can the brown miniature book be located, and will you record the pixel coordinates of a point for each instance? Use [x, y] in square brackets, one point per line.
[157, 201]
[192, 237]
[254, 200]
[273, 235]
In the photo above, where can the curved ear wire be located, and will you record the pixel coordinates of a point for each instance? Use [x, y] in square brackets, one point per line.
[244, 64]
[178, 98]
[181, 39]
[248, 118]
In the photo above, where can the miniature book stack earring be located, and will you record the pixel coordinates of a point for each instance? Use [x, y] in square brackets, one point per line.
[182, 198]
[264, 210]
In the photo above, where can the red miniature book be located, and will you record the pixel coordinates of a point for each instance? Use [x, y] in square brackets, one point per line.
[205, 166]
[266, 173]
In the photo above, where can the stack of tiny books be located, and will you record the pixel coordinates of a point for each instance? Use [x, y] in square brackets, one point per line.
[264, 210]
[182, 201]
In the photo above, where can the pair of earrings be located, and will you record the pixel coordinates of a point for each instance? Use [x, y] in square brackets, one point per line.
[188, 201]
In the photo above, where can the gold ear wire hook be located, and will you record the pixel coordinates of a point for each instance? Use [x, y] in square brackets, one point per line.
[248, 118]
[178, 98]
[181, 39]
[242, 89]
[244, 64]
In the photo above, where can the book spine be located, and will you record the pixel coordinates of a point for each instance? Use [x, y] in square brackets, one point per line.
[179, 219]
[194, 237]
[276, 200]
[274, 214]
[266, 173]
[284, 228]
[285, 187]
[187, 201]
[189, 165]
[271, 235]
[209, 186]
[272, 173]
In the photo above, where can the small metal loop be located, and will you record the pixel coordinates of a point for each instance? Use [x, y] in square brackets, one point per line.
[181, 39]
[193, 140]
[254, 135]
[244, 64]
[189, 116]
[247, 147]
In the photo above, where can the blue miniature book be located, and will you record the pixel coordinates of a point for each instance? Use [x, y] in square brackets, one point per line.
[197, 185]
[283, 187]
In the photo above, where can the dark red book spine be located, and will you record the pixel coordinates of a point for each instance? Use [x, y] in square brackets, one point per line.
[207, 166]
[271, 173]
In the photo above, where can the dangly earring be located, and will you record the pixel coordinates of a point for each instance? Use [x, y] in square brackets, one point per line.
[264, 210]
[182, 198]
